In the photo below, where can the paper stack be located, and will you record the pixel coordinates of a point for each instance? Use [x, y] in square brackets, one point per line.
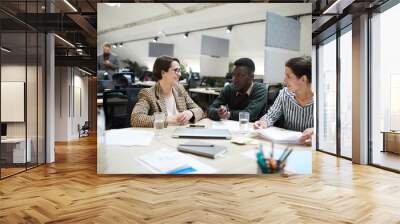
[280, 135]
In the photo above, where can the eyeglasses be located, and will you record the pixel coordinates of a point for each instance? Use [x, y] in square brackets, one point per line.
[177, 70]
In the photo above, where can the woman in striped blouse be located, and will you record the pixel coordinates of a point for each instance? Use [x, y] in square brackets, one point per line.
[295, 102]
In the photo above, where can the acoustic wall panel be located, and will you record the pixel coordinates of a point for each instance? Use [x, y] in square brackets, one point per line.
[211, 66]
[12, 101]
[214, 46]
[274, 65]
[158, 49]
[282, 32]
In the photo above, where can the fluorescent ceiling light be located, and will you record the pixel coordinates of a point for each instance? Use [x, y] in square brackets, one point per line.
[65, 41]
[334, 7]
[86, 72]
[5, 50]
[113, 4]
[70, 5]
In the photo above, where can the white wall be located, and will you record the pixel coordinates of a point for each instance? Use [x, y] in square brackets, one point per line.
[71, 94]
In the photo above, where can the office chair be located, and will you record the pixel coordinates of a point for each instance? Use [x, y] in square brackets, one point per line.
[84, 130]
[194, 80]
[115, 104]
[132, 98]
[272, 94]
[120, 81]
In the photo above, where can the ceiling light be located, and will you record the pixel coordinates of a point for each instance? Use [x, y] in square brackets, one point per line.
[113, 4]
[228, 29]
[186, 35]
[70, 5]
[114, 46]
[155, 39]
[64, 40]
[5, 50]
[78, 50]
[86, 72]
[120, 44]
[161, 34]
[333, 7]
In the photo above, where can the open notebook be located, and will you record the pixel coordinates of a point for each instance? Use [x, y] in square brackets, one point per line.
[280, 135]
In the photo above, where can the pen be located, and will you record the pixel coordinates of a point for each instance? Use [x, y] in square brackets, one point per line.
[287, 155]
[272, 150]
[283, 154]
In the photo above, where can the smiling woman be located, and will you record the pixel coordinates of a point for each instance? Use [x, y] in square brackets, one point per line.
[166, 96]
[295, 102]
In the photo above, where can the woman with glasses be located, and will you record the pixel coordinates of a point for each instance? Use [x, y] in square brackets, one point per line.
[166, 96]
[295, 103]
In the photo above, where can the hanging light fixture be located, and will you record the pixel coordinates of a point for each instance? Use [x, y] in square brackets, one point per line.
[228, 29]
[186, 35]
[155, 39]
[5, 50]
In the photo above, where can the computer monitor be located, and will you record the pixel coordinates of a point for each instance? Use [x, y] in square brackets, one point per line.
[3, 129]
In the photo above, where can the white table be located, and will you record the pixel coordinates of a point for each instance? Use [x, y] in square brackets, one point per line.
[113, 159]
[18, 149]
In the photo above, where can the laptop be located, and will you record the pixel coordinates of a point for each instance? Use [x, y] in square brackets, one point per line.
[201, 133]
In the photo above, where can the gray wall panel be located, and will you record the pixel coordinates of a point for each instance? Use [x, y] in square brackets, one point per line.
[214, 46]
[282, 32]
[158, 49]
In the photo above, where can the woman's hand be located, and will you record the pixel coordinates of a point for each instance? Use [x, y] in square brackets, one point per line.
[260, 124]
[184, 117]
[307, 136]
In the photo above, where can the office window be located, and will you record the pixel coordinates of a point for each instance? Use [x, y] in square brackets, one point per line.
[346, 92]
[385, 88]
[22, 80]
[327, 95]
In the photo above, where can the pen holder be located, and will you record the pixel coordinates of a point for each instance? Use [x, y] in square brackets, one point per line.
[269, 165]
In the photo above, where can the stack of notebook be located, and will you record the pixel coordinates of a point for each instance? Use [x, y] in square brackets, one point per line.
[202, 149]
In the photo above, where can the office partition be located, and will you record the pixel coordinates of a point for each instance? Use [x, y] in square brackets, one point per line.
[22, 77]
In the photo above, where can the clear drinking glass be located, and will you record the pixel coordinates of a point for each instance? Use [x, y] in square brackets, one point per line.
[244, 121]
[159, 119]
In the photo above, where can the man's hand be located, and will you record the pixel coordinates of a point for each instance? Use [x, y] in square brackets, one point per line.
[223, 113]
[260, 124]
[307, 136]
[184, 117]
[107, 62]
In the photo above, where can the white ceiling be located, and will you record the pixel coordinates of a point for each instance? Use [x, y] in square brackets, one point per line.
[143, 20]
[171, 17]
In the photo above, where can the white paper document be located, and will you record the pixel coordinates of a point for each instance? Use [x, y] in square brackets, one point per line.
[166, 161]
[226, 124]
[280, 135]
[128, 137]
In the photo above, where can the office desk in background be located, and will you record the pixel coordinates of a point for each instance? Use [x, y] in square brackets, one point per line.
[145, 83]
[391, 141]
[114, 159]
[13, 150]
[208, 91]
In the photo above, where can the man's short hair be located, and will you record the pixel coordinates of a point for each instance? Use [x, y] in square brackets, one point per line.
[246, 62]
[107, 45]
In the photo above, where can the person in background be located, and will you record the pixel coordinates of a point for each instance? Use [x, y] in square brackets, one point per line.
[166, 96]
[241, 95]
[295, 103]
[107, 63]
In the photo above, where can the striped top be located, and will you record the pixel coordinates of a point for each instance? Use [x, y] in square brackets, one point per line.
[295, 117]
